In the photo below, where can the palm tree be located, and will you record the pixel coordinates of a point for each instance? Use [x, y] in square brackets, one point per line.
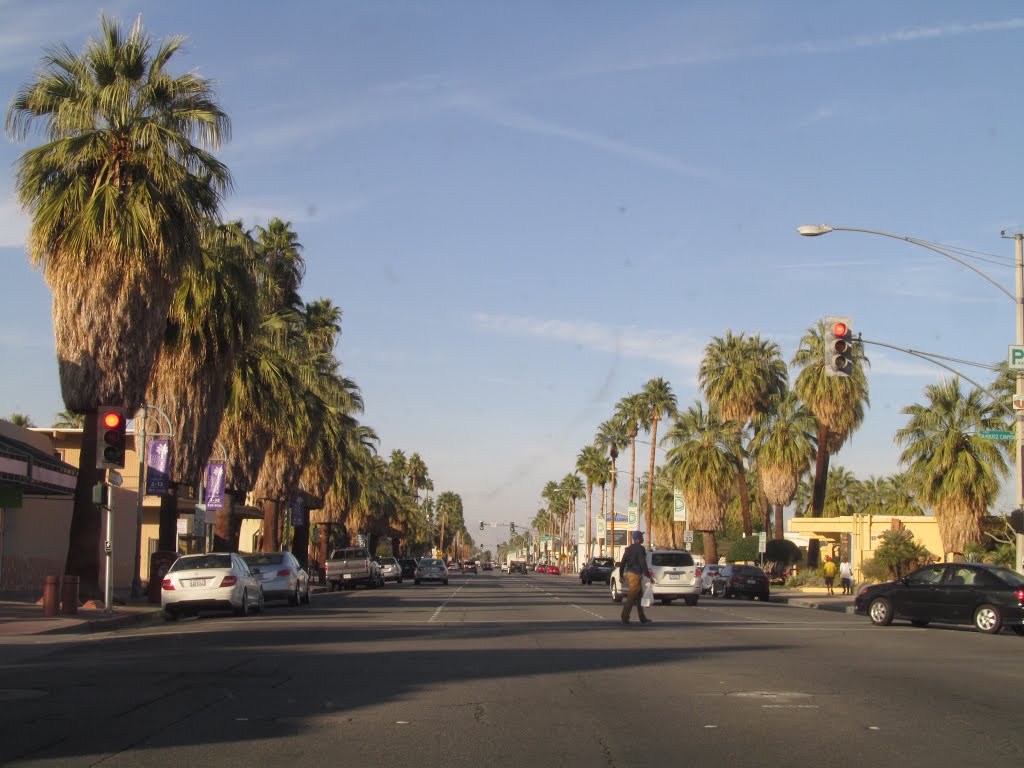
[782, 450]
[661, 403]
[589, 461]
[68, 420]
[116, 196]
[837, 402]
[21, 420]
[634, 414]
[739, 375]
[611, 437]
[702, 461]
[571, 488]
[840, 492]
[416, 472]
[954, 470]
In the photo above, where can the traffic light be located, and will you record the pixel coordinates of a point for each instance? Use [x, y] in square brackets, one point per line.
[511, 527]
[110, 437]
[838, 347]
[481, 525]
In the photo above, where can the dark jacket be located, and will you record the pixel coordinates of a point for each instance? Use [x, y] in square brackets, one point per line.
[634, 560]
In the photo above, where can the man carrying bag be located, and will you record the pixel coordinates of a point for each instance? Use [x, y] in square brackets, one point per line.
[634, 568]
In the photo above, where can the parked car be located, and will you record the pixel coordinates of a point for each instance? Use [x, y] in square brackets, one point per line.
[987, 596]
[408, 566]
[214, 581]
[748, 580]
[348, 567]
[469, 567]
[553, 569]
[597, 569]
[431, 569]
[281, 576]
[707, 576]
[390, 570]
[541, 568]
[675, 577]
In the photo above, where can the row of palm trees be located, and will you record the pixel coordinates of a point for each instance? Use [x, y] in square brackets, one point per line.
[758, 443]
[157, 301]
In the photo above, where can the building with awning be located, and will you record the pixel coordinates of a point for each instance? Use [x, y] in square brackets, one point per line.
[37, 491]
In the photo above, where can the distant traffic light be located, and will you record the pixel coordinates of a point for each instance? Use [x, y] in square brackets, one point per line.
[511, 527]
[838, 347]
[481, 525]
[111, 425]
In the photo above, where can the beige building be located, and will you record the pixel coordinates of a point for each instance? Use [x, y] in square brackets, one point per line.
[864, 532]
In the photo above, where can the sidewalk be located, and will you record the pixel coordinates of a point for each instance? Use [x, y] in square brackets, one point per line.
[20, 615]
[814, 597]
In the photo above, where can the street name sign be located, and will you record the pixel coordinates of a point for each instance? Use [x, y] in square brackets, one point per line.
[762, 542]
[1016, 357]
[996, 434]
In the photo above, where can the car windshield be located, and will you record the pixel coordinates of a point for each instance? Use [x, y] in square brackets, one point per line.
[671, 559]
[201, 562]
[427, 562]
[264, 559]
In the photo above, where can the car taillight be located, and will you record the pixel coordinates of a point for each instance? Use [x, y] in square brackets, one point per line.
[229, 581]
[1020, 595]
[737, 578]
[166, 584]
[696, 572]
[285, 572]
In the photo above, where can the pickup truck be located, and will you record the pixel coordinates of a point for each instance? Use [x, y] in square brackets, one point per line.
[350, 566]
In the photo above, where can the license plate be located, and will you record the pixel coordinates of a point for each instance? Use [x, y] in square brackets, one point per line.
[197, 582]
[674, 576]
[346, 576]
[751, 581]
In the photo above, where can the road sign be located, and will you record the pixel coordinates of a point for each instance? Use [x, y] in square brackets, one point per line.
[688, 536]
[678, 506]
[996, 434]
[1016, 357]
[632, 516]
[1018, 402]
[762, 542]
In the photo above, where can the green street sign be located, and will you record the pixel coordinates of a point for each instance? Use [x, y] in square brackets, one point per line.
[997, 434]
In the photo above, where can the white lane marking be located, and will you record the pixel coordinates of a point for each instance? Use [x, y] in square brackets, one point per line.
[440, 608]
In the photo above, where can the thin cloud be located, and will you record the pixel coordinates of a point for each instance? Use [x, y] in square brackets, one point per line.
[676, 349]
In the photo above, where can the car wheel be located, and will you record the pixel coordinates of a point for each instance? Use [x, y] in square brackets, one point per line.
[919, 622]
[331, 586]
[296, 598]
[764, 597]
[1018, 630]
[666, 601]
[446, 582]
[261, 602]
[715, 592]
[988, 619]
[691, 601]
[416, 582]
[243, 610]
[305, 598]
[616, 595]
[880, 612]
[399, 581]
[171, 615]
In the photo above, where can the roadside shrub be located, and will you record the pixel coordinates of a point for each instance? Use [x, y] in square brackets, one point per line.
[873, 570]
[744, 550]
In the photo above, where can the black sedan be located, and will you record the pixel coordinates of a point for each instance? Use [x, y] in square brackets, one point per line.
[408, 566]
[987, 596]
[747, 580]
[597, 569]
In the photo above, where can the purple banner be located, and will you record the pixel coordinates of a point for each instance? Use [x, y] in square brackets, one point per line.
[300, 515]
[213, 491]
[158, 459]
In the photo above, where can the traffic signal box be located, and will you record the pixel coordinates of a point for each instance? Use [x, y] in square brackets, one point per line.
[838, 347]
[111, 441]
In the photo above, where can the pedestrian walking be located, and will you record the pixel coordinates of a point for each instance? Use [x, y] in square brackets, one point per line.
[846, 577]
[829, 572]
[634, 568]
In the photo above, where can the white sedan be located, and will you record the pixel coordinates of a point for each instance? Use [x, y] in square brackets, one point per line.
[214, 581]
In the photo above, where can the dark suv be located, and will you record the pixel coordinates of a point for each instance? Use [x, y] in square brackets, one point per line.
[597, 569]
[748, 580]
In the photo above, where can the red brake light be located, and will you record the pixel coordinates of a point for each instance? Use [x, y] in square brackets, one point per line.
[166, 584]
[1020, 595]
[229, 581]
[284, 572]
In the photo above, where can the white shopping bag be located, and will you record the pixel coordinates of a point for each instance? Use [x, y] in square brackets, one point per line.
[648, 599]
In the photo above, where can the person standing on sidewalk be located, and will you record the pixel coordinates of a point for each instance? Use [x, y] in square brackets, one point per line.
[846, 577]
[634, 568]
[829, 572]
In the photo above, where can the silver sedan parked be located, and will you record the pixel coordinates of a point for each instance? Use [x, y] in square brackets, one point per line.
[281, 575]
[390, 570]
[214, 581]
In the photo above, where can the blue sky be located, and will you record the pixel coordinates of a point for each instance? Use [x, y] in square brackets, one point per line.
[527, 210]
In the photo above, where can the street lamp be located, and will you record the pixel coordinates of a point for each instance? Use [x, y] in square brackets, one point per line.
[814, 230]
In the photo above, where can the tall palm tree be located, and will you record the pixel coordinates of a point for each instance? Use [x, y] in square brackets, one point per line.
[67, 419]
[702, 461]
[837, 402]
[116, 196]
[840, 493]
[611, 437]
[955, 471]
[782, 450]
[21, 420]
[416, 472]
[572, 489]
[739, 375]
[661, 403]
[589, 461]
[633, 412]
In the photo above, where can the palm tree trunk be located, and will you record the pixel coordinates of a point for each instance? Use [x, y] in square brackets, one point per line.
[600, 546]
[741, 480]
[612, 505]
[632, 468]
[590, 500]
[83, 555]
[271, 542]
[820, 472]
[710, 547]
[779, 533]
[168, 530]
[650, 481]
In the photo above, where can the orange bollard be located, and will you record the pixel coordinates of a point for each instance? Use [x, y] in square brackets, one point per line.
[69, 596]
[51, 592]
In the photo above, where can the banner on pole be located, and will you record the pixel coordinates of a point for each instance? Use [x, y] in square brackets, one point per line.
[678, 506]
[158, 459]
[213, 491]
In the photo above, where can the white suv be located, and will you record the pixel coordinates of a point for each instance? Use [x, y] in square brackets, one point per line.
[675, 577]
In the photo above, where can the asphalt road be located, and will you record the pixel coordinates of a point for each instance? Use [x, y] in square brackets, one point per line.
[499, 670]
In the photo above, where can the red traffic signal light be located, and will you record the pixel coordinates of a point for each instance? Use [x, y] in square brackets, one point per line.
[111, 441]
[838, 357]
[840, 329]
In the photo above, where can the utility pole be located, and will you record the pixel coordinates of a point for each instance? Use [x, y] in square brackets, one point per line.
[1018, 238]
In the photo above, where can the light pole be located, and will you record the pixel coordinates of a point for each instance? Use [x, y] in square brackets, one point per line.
[814, 230]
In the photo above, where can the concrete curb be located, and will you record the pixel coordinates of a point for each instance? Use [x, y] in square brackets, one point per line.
[810, 602]
[102, 623]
